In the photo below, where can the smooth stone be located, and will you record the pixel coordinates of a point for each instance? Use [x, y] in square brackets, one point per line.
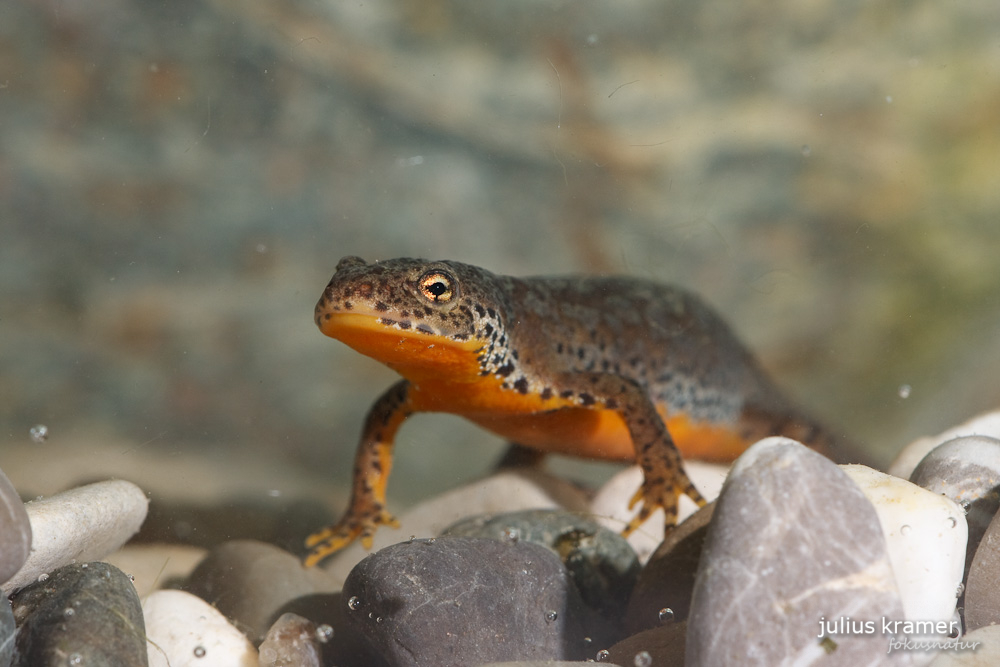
[982, 604]
[156, 566]
[506, 490]
[250, 581]
[979, 648]
[610, 503]
[967, 470]
[292, 640]
[603, 565]
[82, 524]
[186, 631]
[925, 535]
[906, 461]
[455, 601]
[15, 530]
[793, 540]
[656, 647]
[81, 614]
[667, 581]
[8, 630]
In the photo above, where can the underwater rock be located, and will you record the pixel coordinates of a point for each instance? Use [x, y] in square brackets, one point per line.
[186, 631]
[81, 614]
[456, 601]
[793, 542]
[15, 530]
[82, 524]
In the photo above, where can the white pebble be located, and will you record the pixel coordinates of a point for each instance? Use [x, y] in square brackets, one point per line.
[185, 631]
[82, 524]
[610, 504]
[926, 534]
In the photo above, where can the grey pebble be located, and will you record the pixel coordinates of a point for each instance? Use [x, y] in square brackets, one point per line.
[967, 470]
[602, 563]
[15, 530]
[249, 581]
[793, 540]
[7, 632]
[454, 601]
[86, 614]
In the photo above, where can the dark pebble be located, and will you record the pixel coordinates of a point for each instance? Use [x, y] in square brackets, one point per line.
[455, 601]
[86, 614]
[663, 592]
[602, 563]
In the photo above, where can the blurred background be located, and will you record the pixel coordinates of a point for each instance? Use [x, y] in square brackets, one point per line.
[179, 178]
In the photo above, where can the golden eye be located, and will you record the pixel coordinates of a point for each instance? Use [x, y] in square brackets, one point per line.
[437, 286]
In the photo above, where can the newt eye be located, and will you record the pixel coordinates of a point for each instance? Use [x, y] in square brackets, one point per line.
[437, 286]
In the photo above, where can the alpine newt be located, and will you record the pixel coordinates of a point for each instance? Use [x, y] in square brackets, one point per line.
[605, 368]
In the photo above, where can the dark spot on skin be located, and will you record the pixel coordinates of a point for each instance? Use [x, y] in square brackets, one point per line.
[404, 313]
[386, 321]
[479, 310]
[580, 353]
[611, 404]
[488, 329]
[461, 336]
[423, 328]
[546, 393]
[428, 311]
[634, 361]
[381, 306]
[348, 305]
[376, 465]
[327, 316]
[404, 325]
[514, 354]
[567, 393]
[521, 385]
[586, 399]
[492, 313]
[559, 348]
[505, 370]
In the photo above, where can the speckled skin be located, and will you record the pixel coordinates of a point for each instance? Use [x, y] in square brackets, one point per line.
[597, 367]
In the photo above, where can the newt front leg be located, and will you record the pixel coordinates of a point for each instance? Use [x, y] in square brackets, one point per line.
[372, 464]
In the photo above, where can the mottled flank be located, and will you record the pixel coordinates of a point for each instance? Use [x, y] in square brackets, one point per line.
[654, 367]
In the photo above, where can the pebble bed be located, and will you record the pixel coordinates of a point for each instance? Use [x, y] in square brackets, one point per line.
[797, 561]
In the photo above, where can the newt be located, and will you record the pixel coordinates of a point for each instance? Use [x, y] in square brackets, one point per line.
[604, 368]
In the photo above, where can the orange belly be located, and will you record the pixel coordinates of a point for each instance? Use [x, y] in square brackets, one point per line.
[601, 434]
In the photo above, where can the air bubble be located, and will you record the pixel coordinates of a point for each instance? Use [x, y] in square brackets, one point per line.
[551, 615]
[952, 522]
[199, 651]
[69, 611]
[642, 659]
[666, 615]
[324, 633]
[44, 576]
[353, 603]
[959, 590]
[39, 433]
[904, 391]
[512, 534]
[603, 655]
[905, 529]
[74, 659]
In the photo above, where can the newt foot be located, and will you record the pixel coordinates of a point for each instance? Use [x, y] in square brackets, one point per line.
[661, 495]
[330, 540]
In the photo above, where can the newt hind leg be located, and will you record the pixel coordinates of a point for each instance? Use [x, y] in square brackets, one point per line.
[372, 464]
[664, 477]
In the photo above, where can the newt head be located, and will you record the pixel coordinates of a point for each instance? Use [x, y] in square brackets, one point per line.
[421, 318]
